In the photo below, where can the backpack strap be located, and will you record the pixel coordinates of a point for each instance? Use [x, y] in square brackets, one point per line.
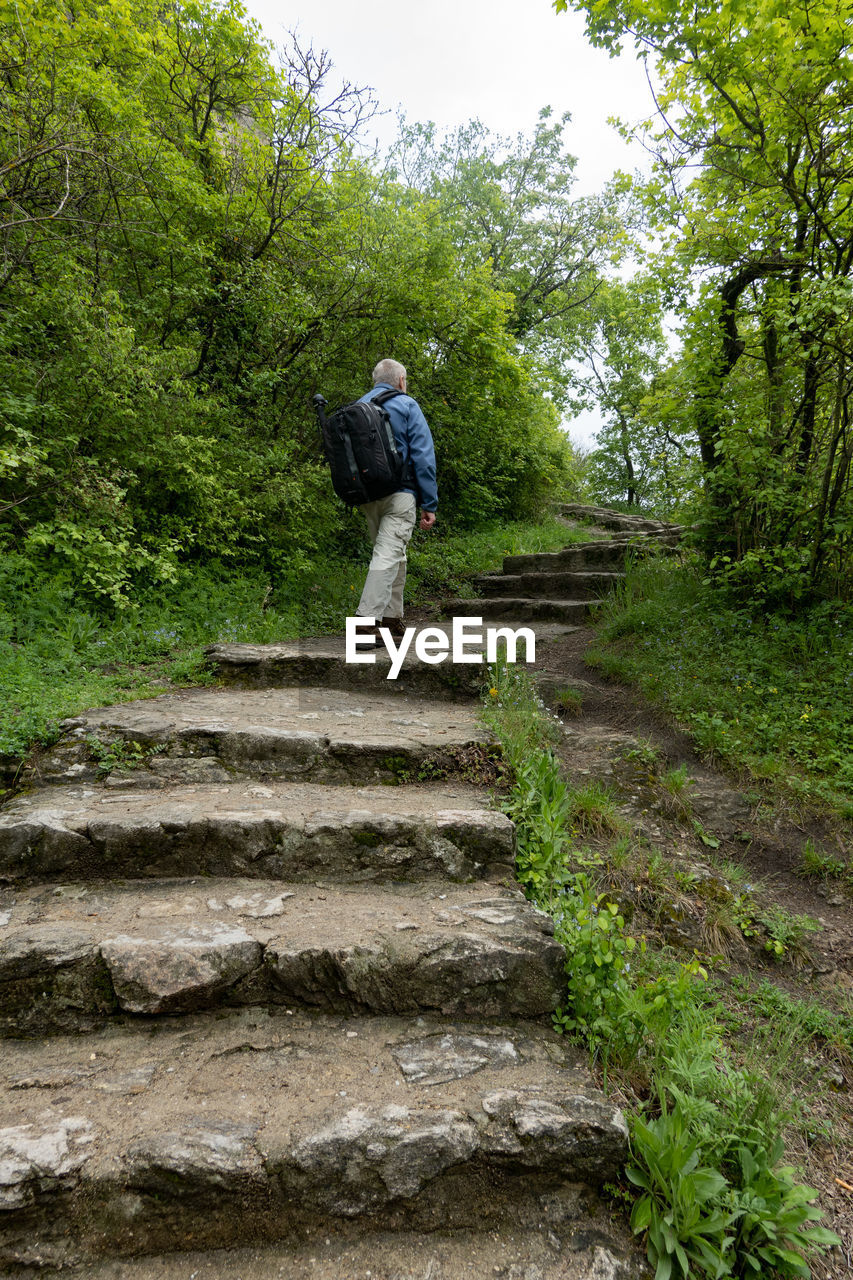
[385, 396]
[409, 470]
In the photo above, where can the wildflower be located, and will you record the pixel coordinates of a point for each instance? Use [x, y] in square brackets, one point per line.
[493, 693]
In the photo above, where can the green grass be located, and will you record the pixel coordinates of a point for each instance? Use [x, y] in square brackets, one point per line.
[60, 654]
[713, 1197]
[771, 693]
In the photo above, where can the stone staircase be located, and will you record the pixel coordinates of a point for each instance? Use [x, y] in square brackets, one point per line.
[267, 1015]
[562, 586]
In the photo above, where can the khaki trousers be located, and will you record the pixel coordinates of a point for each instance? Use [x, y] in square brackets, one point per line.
[390, 522]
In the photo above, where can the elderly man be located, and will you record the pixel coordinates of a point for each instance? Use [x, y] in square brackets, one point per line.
[391, 520]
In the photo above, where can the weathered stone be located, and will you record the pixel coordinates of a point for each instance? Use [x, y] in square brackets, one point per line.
[365, 1158]
[178, 969]
[506, 1251]
[437, 1059]
[520, 610]
[580, 584]
[218, 1154]
[294, 830]
[40, 1158]
[576, 1131]
[52, 978]
[323, 735]
[168, 947]
[243, 1125]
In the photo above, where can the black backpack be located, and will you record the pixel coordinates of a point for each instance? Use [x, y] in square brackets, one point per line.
[361, 450]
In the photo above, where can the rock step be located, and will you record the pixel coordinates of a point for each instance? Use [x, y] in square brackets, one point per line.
[553, 1247]
[289, 830]
[74, 955]
[606, 518]
[520, 610]
[577, 585]
[218, 735]
[591, 557]
[222, 1131]
[323, 662]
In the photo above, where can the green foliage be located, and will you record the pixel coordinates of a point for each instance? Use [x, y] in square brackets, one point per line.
[808, 1020]
[817, 864]
[715, 1199]
[767, 690]
[756, 243]
[60, 654]
[190, 249]
[679, 1210]
[592, 930]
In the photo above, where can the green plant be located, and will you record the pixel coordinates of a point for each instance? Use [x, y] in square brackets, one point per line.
[119, 754]
[817, 864]
[774, 1216]
[592, 810]
[785, 932]
[568, 701]
[680, 1206]
[540, 805]
[645, 753]
[592, 930]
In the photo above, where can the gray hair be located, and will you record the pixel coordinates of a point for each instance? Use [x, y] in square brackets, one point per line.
[390, 371]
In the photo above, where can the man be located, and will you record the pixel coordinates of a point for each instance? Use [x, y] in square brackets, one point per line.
[391, 520]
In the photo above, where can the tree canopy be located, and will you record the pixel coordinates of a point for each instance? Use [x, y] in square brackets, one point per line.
[190, 246]
[752, 194]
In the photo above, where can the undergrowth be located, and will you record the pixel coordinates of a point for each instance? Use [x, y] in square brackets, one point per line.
[767, 692]
[61, 652]
[712, 1194]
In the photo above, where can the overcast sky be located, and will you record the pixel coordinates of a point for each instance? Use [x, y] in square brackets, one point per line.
[498, 60]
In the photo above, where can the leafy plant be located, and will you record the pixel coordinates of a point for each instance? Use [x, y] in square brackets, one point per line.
[680, 1207]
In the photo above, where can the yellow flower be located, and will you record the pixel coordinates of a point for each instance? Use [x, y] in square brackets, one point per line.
[493, 692]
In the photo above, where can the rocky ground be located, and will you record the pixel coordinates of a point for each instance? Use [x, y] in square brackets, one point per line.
[273, 1004]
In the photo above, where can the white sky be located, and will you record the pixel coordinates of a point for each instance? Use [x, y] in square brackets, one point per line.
[498, 60]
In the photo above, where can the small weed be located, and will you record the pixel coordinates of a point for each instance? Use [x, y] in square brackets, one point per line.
[817, 864]
[592, 810]
[120, 754]
[675, 784]
[568, 702]
[709, 841]
[645, 753]
[785, 932]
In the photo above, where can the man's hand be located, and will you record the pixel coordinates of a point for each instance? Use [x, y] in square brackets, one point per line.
[427, 519]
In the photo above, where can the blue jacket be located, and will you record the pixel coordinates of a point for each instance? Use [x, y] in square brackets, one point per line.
[414, 442]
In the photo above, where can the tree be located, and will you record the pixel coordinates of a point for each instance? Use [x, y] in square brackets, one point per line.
[190, 248]
[754, 171]
[511, 207]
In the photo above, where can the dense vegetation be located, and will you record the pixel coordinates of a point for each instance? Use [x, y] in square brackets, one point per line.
[751, 200]
[767, 694]
[189, 248]
[708, 1106]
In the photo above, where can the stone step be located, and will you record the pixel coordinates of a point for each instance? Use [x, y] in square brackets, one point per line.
[622, 521]
[210, 1132]
[555, 1246]
[592, 556]
[295, 831]
[577, 585]
[322, 661]
[73, 955]
[303, 734]
[519, 610]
